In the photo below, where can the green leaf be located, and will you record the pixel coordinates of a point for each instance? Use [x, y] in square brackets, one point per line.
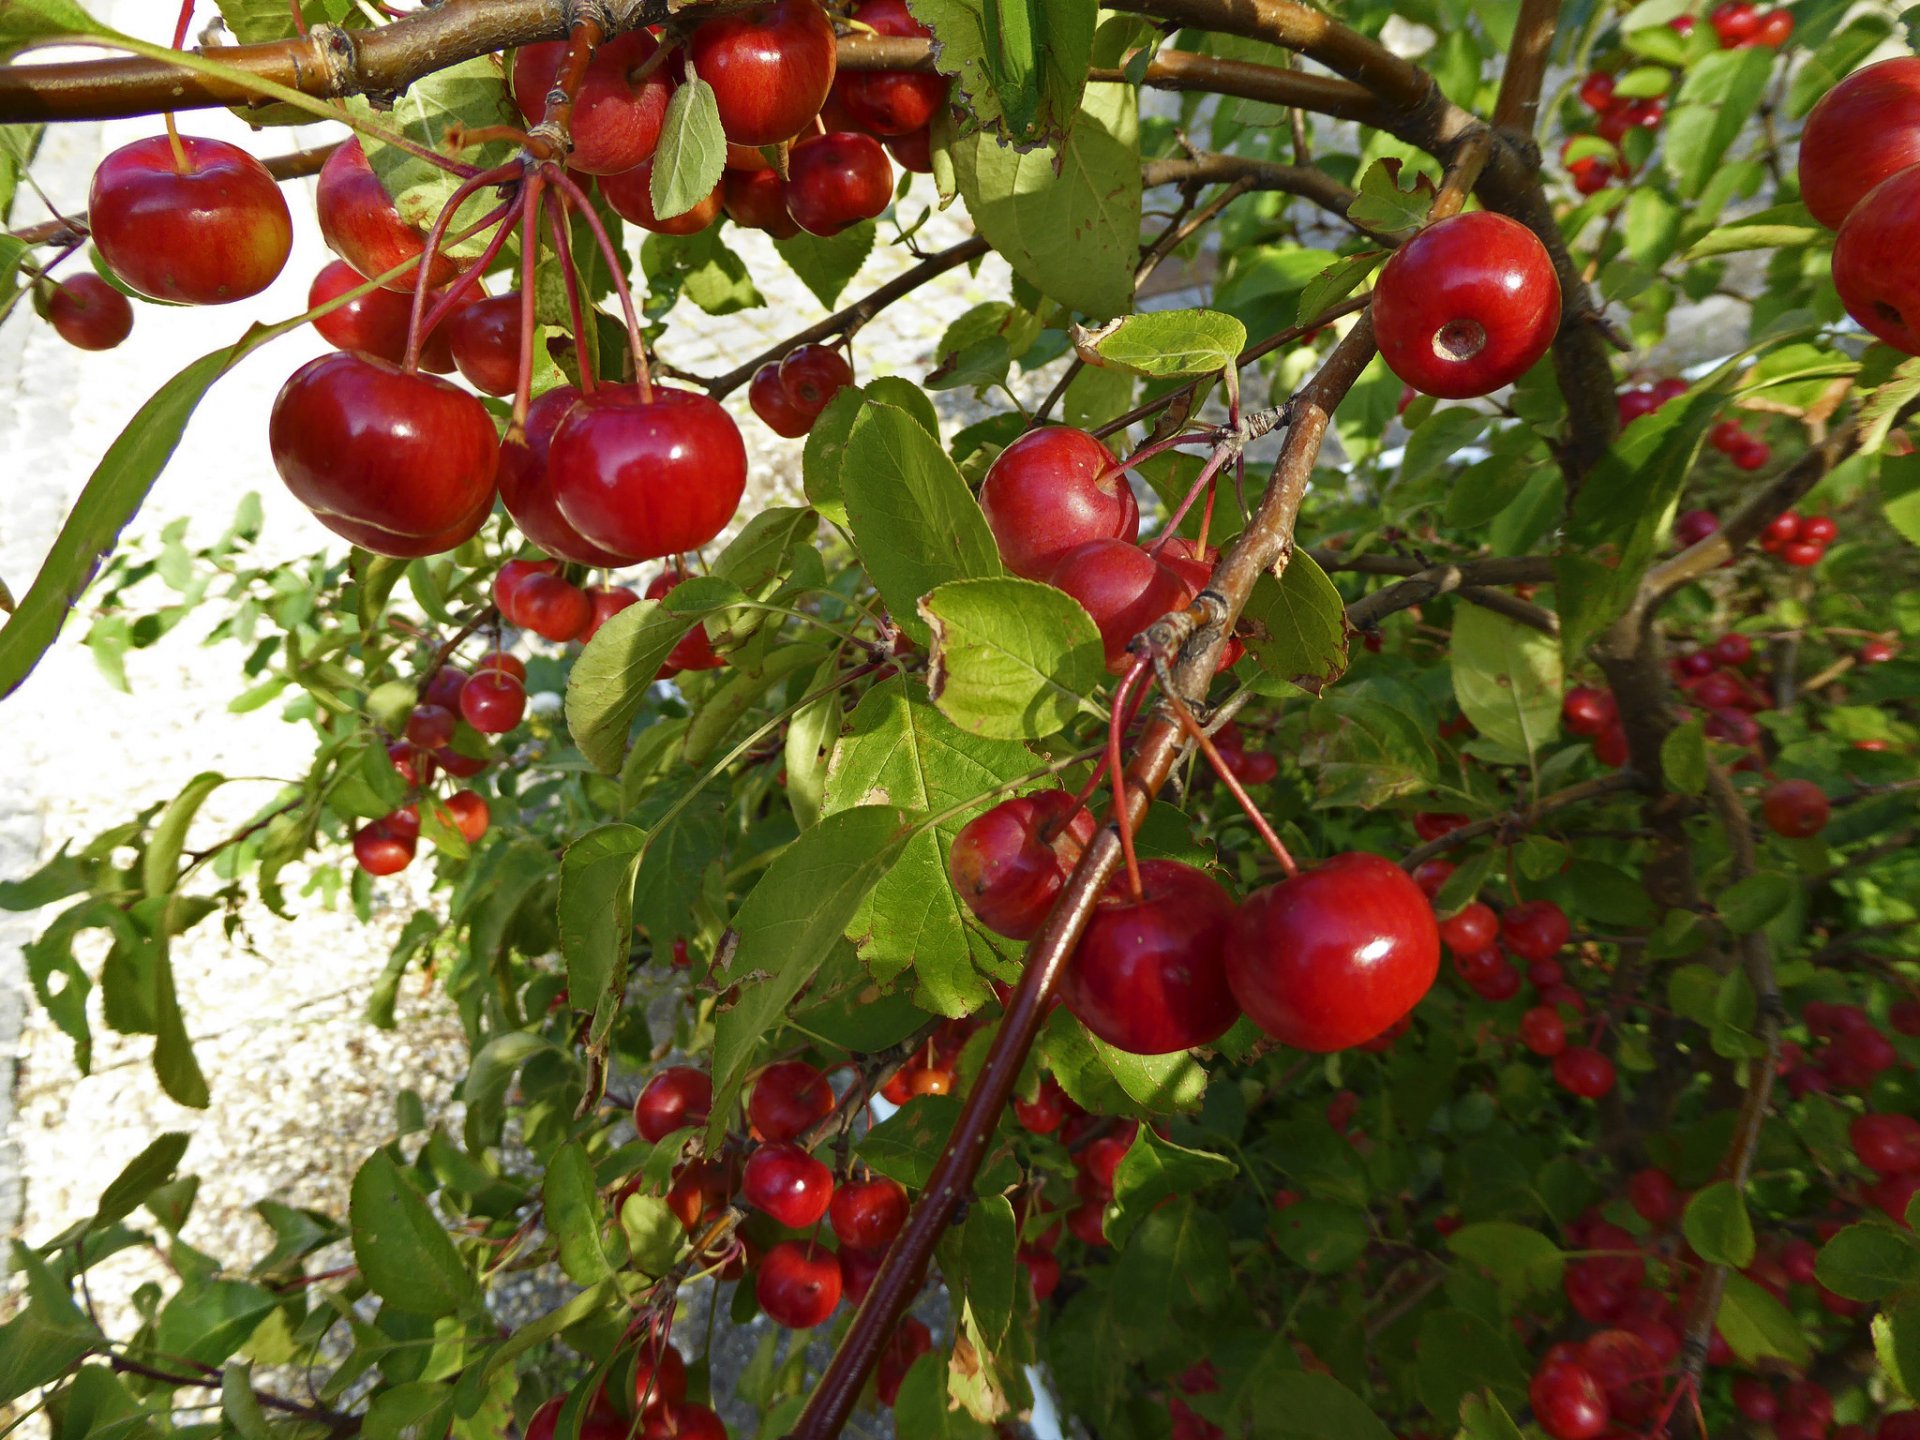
[160, 865]
[1336, 282]
[1834, 60]
[1068, 222]
[401, 1247]
[1756, 232]
[1319, 1407]
[692, 151]
[1322, 1237]
[1297, 625]
[786, 926]
[907, 1144]
[987, 1269]
[488, 1077]
[204, 1324]
[701, 267]
[22, 21]
[1153, 1169]
[575, 1215]
[655, 1236]
[1899, 496]
[1460, 1353]
[1020, 64]
[609, 681]
[826, 264]
[1683, 757]
[1483, 1417]
[1896, 1341]
[1750, 903]
[914, 522]
[139, 1178]
[596, 918]
[1869, 1262]
[1522, 1261]
[49, 1334]
[1717, 1227]
[239, 1406]
[1382, 205]
[1506, 677]
[1715, 102]
[1165, 343]
[1757, 1326]
[1174, 1263]
[1012, 659]
[254, 22]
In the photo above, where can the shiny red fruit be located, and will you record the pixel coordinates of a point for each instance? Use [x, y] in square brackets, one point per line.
[506, 599]
[399, 464]
[1432, 875]
[429, 726]
[1466, 306]
[1870, 270]
[1796, 809]
[1473, 928]
[1568, 1403]
[1584, 1071]
[1052, 490]
[1007, 864]
[485, 340]
[1543, 1031]
[443, 687]
[912, 151]
[1535, 930]
[682, 1422]
[1046, 1112]
[867, 1214]
[891, 102]
[647, 478]
[1755, 1400]
[630, 194]
[770, 69]
[790, 394]
[376, 323]
[1654, 1196]
[381, 850]
[677, 1097]
[1043, 1272]
[1588, 711]
[776, 409]
[470, 814]
[787, 1183]
[1886, 1144]
[526, 486]
[789, 1096]
[362, 225]
[799, 1284]
[757, 199]
[694, 650]
[552, 608]
[607, 601]
[1335, 955]
[215, 232]
[88, 313]
[1735, 22]
[837, 180]
[1147, 976]
[1123, 588]
[493, 702]
[616, 123]
[659, 1377]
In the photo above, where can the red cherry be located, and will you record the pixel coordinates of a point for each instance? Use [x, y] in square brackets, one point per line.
[1431, 826]
[1052, 490]
[362, 225]
[1335, 955]
[1476, 967]
[506, 599]
[1902, 1426]
[789, 1096]
[1568, 1403]
[1147, 975]
[695, 650]
[1876, 652]
[1726, 437]
[891, 102]
[1087, 1223]
[1045, 1113]
[552, 608]
[485, 340]
[429, 726]
[1819, 528]
[867, 1214]
[1893, 1195]
[837, 180]
[814, 374]
[1720, 691]
[1542, 1031]
[211, 233]
[1886, 1144]
[912, 151]
[1796, 809]
[607, 602]
[757, 199]
[616, 123]
[399, 464]
[1535, 930]
[1474, 928]
[1596, 91]
[1630, 405]
[770, 69]
[493, 702]
[1774, 30]
[775, 407]
[1695, 664]
[1735, 22]
[1100, 1161]
[1876, 285]
[1501, 982]
[1905, 1016]
[1808, 1397]
[376, 323]
[929, 1080]
[700, 1189]
[1624, 1368]
[1007, 864]
[1466, 306]
[1432, 875]
[1584, 1071]
[404, 823]
[680, 1422]
[677, 1097]
[444, 686]
[413, 766]
[546, 1419]
[471, 817]
[1123, 588]
[1755, 1400]
[1802, 553]
[1654, 1196]
[1591, 174]
[1865, 130]
[526, 486]
[647, 478]
[1733, 649]
[1588, 711]
[659, 1376]
[1672, 387]
[1752, 455]
[1610, 746]
[88, 313]
[909, 1343]
[799, 1284]
[380, 849]
[858, 1270]
[787, 1183]
[1043, 1272]
[630, 194]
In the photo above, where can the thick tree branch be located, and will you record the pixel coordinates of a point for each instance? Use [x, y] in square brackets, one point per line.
[1468, 578]
[1309, 182]
[1526, 69]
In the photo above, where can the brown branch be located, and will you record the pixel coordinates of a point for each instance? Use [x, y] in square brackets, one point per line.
[337, 1423]
[1183, 70]
[1526, 68]
[1309, 182]
[1465, 576]
[1521, 819]
[1495, 570]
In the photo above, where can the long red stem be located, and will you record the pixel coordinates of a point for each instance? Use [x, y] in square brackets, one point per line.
[577, 196]
[435, 237]
[529, 328]
[1122, 819]
[1203, 484]
[185, 20]
[469, 278]
[1227, 778]
[570, 277]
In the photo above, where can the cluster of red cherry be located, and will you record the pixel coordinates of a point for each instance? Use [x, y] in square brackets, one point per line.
[1746, 451]
[1851, 1055]
[660, 1409]
[1617, 114]
[1800, 540]
[1741, 23]
[1638, 400]
[1803, 1410]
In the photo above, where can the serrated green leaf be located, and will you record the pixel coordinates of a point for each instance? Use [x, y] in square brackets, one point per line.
[692, 150]
[401, 1248]
[1165, 343]
[1717, 1226]
[1506, 677]
[1011, 659]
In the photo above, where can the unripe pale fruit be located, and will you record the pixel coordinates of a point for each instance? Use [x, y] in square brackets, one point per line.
[89, 314]
[1052, 490]
[215, 232]
[1872, 266]
[1335, 955]
[1865, 130]
[1466, 306]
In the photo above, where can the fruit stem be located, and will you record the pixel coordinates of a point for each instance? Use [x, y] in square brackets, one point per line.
[500, 173]
[529, 255]
[1121, 819]
[570, 277]
[180, 25]
[1227, 778]
[559, 178]
[1085, 793]
[299, 19]
[181, 165]
[444, 302]
[1202, 482]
